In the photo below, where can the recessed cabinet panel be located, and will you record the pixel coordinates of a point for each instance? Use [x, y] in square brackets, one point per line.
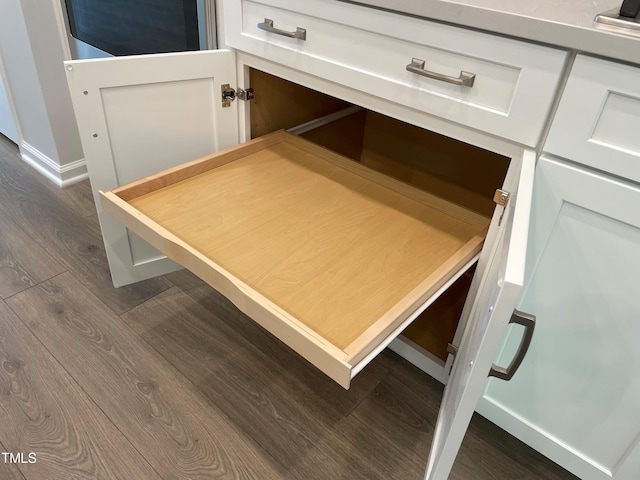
[185, 103]
[615, 126]
[597, 119]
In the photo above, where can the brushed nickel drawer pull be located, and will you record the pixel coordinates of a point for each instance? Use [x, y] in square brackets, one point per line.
[529, 323]
[267, 25]
[465, 79]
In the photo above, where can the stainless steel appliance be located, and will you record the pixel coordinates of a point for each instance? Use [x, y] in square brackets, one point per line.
[623, 20]
[128, 27]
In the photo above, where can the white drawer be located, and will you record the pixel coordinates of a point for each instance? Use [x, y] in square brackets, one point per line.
[598, 118]
[369, 50]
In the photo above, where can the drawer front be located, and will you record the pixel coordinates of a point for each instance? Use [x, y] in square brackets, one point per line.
[598, 117]
[513, 86]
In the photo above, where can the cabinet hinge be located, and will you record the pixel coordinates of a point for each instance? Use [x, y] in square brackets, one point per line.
[229, 94]
[501, 197]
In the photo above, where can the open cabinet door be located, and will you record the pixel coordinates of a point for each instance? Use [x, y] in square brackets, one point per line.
[488, 312]
[142, 114]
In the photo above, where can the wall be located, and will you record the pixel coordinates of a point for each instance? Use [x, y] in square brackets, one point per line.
[7, 125]
[32, 53]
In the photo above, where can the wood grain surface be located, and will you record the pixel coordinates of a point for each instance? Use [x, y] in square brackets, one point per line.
[435, 328]
[299, 422]
[23, 263]
[456, 171]
[9, 471]
[183, 436]
[281, 105]
[278, 399]
[65, 233]
[46, 412]
[329, 256]
[330, 247]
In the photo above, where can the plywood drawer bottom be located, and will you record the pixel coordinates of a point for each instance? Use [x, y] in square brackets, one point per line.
[329, 256]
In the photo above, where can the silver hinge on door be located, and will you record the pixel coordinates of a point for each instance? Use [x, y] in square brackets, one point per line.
[501, 197]
[229, 94]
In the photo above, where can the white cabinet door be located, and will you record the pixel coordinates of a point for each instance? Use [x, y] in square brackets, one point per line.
[142, 114]
[576, 397]
[493, 296]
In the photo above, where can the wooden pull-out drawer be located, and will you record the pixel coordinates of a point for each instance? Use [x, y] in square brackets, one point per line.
[329, 256]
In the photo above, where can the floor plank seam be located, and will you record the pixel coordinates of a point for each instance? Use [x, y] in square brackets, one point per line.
[89, 398]
[35, 285]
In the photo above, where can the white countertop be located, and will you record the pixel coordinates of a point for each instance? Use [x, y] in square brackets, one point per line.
[565, 23]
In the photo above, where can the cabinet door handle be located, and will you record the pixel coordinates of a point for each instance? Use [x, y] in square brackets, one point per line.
[465, 79]
[267, 25]
[529, 324]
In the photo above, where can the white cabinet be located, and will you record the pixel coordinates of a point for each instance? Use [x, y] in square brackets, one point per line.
[143, 114]
[576, 396]
[112, 97]
[417, 63]
[139, 117]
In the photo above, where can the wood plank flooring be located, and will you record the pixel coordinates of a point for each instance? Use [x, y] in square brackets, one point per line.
[167, 380]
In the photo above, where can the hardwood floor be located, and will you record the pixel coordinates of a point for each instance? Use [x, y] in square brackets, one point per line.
[166, 379]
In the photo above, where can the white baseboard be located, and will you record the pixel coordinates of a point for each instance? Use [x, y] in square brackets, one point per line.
[61, 175]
